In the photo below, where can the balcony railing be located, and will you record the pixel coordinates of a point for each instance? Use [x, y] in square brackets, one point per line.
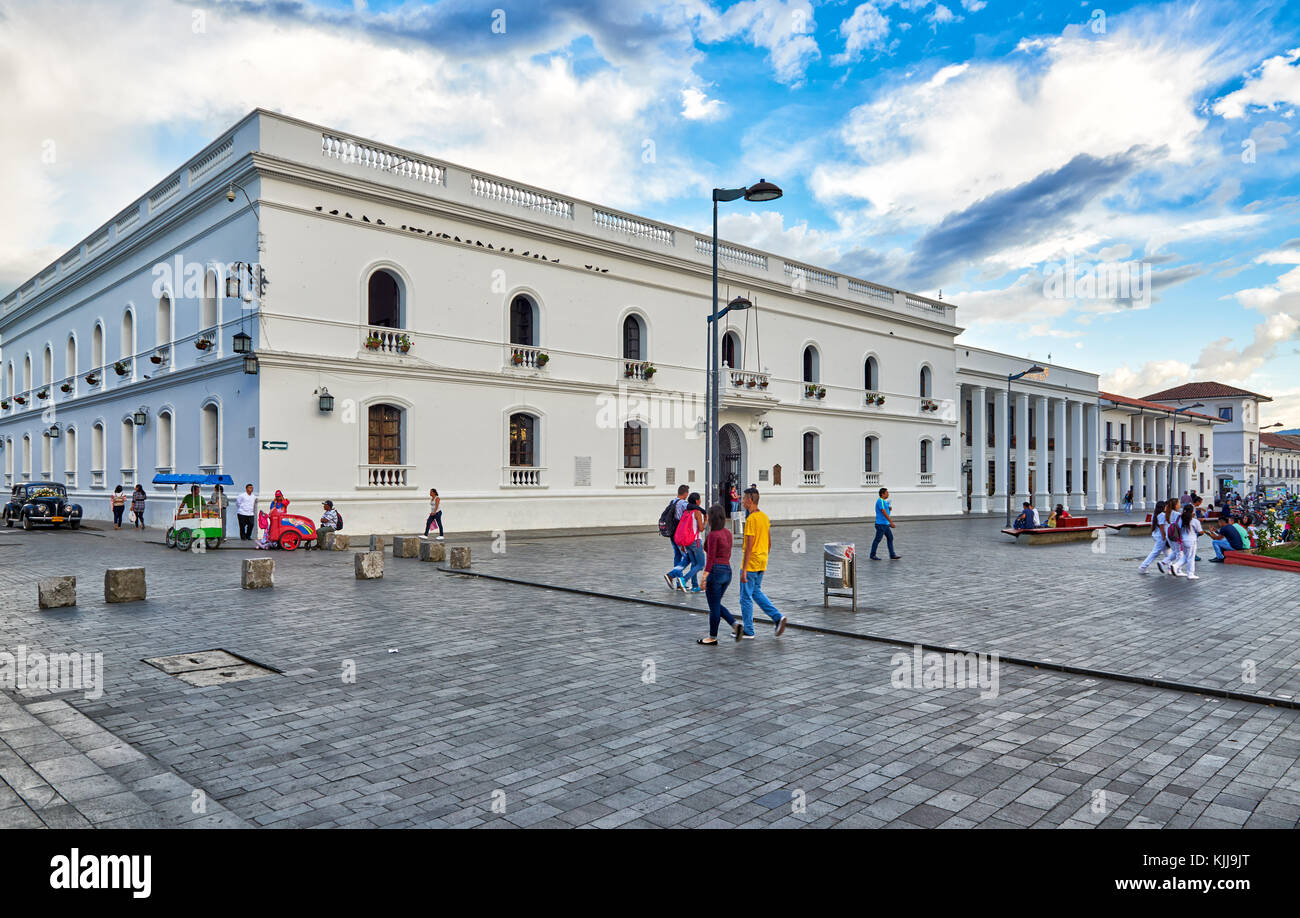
[528, 358]
[70, 478]
[636, 478]
[640, 370]
[1160, 449]
[871, 479]
[1205, 453]
[812, 479]
[128, 478]
[1113, 444]
[384, 476]
[749, 379]
[96, 478]
[925, 480]
[521, 476]
[382, 340]
[814, 391]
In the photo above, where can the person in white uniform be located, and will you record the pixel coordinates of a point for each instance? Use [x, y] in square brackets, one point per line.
[1159, 532]
[1186, 529]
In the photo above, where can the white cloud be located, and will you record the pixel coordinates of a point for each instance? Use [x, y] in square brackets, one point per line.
[696, 106]
[1277, 83]
[784, 28]
[867, 28]
[939, 16]
[1150, 377]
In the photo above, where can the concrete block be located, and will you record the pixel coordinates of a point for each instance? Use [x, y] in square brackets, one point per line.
[459, 557]
[325, 541]
[406, 547]
[56, 592]
[377, 543]
[369, 565]
[258, 574]
[124, 584]
[433, 551]
[338, 541]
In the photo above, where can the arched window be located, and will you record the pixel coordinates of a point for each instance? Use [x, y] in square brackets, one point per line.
[810, 451]
[210, 436]
[27, 372]
[9, 379]
[70, 456]
[925, 456]
[523, 321]
[925, 382]
[97, 349]
[633, 339]
[871, 375]
[47, 458]
[70, 359]
[97, 450]
[633, 445]
[128, 334]
[731, 350]
[384, 301]
[163, 431]
[48, 366]
[208, 306]
[385, 435]
[871, 456]
[163, 331]
[523, 440]
[811, 365]
[27, 458]
[128, 446]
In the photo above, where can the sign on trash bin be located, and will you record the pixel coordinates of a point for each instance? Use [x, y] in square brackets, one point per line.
[839, 573]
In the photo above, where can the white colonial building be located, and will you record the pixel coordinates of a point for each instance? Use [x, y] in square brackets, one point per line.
[1279, 461]
[1236, 439]
[1155, 450]
[415, 324]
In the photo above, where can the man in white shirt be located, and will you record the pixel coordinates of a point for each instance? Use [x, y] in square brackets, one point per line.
[246, 510]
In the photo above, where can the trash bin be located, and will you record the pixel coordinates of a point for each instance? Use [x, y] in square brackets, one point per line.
[839, 574]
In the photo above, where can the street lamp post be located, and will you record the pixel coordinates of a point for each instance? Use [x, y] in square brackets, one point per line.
[1061, 434]
[763, 190]
[1259, 472]
[1173, 434]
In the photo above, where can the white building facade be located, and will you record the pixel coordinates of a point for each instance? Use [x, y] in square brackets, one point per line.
[1157, 453]
[1279, 461]
[538, 359]
[1236, 438]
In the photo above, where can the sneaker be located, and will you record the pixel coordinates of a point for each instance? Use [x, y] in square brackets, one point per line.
[681, 585]
[894, 557]
[695, 590]
[1216, 560]
[424, 538]
[746, 637]
[739, 628]
[672, 585]
[780, 626]
[1192, 577]
[440, 538]
[1180, 573]
[1161, 566]
[873, 558]
[1142, 570]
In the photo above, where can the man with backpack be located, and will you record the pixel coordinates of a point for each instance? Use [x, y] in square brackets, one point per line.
[668, 521]
[331, 520]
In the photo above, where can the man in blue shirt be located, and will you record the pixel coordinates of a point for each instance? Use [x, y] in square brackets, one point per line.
[1229, 540]
[884, 526]
[1028, 518]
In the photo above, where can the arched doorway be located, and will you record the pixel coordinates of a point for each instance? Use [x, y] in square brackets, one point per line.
[731, 464]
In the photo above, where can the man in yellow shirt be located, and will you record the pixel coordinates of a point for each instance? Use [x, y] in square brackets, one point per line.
[758, 544]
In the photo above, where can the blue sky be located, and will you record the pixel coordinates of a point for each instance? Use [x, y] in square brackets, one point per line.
[970, 146]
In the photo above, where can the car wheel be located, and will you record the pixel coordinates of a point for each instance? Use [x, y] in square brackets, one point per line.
[27, 522]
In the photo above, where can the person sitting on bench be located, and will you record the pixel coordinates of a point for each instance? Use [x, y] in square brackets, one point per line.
[1028, 518]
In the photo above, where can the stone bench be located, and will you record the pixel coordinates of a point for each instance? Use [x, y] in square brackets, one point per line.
[124, 584]
[1054, 536]
[458, 558]
[433, 551]
[56, 592]
[406, 546]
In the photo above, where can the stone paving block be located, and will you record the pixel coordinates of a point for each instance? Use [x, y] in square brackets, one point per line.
[338, 541]
[124, 584]
[458, 557]
[257, 573]
[433, 551]
[369, 565]
[406, 546]
[378, 543]
[56, 592]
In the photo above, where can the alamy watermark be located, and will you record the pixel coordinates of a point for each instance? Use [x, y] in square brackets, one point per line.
[32, 670]
[1113, 280]
[926, 671]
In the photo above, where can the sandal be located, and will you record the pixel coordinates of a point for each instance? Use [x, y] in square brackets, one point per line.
[707, 642]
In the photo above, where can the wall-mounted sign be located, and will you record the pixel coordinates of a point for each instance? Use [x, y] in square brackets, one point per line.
[275, 444]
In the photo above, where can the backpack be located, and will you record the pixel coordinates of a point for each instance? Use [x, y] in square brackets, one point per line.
[686, 531]
[668, 520]
[338, 527]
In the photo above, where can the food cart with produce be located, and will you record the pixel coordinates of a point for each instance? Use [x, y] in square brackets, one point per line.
[199, 527]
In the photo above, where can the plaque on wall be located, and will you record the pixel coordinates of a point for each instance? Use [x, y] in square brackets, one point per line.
[582, 471]
[670, 476]
[762, 474]
[690, 476]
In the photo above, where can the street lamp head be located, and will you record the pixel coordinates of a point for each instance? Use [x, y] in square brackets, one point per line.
[762, 190]
[1036, 369]
[739, 303]
[230, 193]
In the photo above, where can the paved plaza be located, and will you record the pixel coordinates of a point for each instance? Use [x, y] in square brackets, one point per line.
[435, 699]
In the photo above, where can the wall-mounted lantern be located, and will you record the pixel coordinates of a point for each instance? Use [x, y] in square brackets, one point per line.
[768, 432]
[946, 442]
[250, 364]
[53, 432]
[326, 400]
[243, 343]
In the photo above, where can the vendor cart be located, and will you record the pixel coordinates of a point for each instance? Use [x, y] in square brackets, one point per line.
[201, 528]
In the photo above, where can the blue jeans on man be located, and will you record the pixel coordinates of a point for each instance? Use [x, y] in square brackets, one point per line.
[1220, 546]
[883, 531]
[751, 591]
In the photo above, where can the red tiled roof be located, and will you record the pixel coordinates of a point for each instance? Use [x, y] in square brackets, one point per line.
[1194, 390]
[1152, 406]
[1279, 441]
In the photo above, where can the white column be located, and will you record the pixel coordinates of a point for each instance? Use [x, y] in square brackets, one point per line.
[1058, 454]
[1022, 450]
[979, 501]
[1076, 455]
[1150, 469]
[1125, 478]
[1041, 497]
[1092, 443]
[1000, 442]
[1108, 468]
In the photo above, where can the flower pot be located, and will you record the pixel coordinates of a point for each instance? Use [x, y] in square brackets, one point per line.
[20, 400]
[543, 360]
[44, 393]
[203, 344]
[752, 383]
[66, 387]
[120, 369]
[156, 359]
[92, 379]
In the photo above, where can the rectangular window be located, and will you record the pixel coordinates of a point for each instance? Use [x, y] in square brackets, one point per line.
[990, 426]
[1225, 412]
[385, 435]
[632, 446]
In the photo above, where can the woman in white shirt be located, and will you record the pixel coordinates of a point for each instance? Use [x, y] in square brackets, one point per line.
[1186, 529]
[1159, 530]
[435, 514]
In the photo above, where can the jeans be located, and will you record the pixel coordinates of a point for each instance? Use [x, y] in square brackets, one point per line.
[117, 515]
[679, 560]
[1220, 546]
[139, 517]
[695, 555]
[883, 531]
[719, 580]
[245, 526]
[434, 518]
[751, 591]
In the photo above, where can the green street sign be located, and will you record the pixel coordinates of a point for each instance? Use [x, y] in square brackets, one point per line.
[275, 444]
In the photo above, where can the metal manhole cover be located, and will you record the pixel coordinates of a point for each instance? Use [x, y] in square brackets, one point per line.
[210, 667]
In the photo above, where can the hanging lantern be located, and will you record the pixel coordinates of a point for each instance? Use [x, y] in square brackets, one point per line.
[326, 400]
[140, 417]
[946, 442]
[768, 432]
[243, 343]
[232, 280]
[250, 364]
[53, 432]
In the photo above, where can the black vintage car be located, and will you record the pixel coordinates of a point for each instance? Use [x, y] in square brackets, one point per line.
[41, 502]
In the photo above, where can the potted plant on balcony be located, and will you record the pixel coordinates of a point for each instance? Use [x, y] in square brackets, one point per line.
[43, 394]
[92, 378]
[203, 343]
[66, 387]
[762, 383]
[880, 400]
[120, 368]
[516, 357]
[159, 356]
[751, 382]
[404, 343]
[821, 391]
[809, 390]
[20, 400]
[543, 359]
[649, 371]
[372, 342]
[4, 404]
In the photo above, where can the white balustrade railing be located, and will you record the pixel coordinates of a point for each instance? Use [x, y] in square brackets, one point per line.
[384, 476]
[164, 194]
[749, 379]
[373, 157]
[70, 478]
[128, 478]
[926, 480]
[519, 196]
[636, 478]
[731, 253]
[96, 478]
[528, 358]
[522, 476]
[638, 369]
[641, 229]
[382, 340]
[798, 272]
[213, 159]
[812, 479]
[882, 295]
[871, 479]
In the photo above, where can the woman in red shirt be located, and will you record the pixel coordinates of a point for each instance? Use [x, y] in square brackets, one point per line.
[717, 574]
